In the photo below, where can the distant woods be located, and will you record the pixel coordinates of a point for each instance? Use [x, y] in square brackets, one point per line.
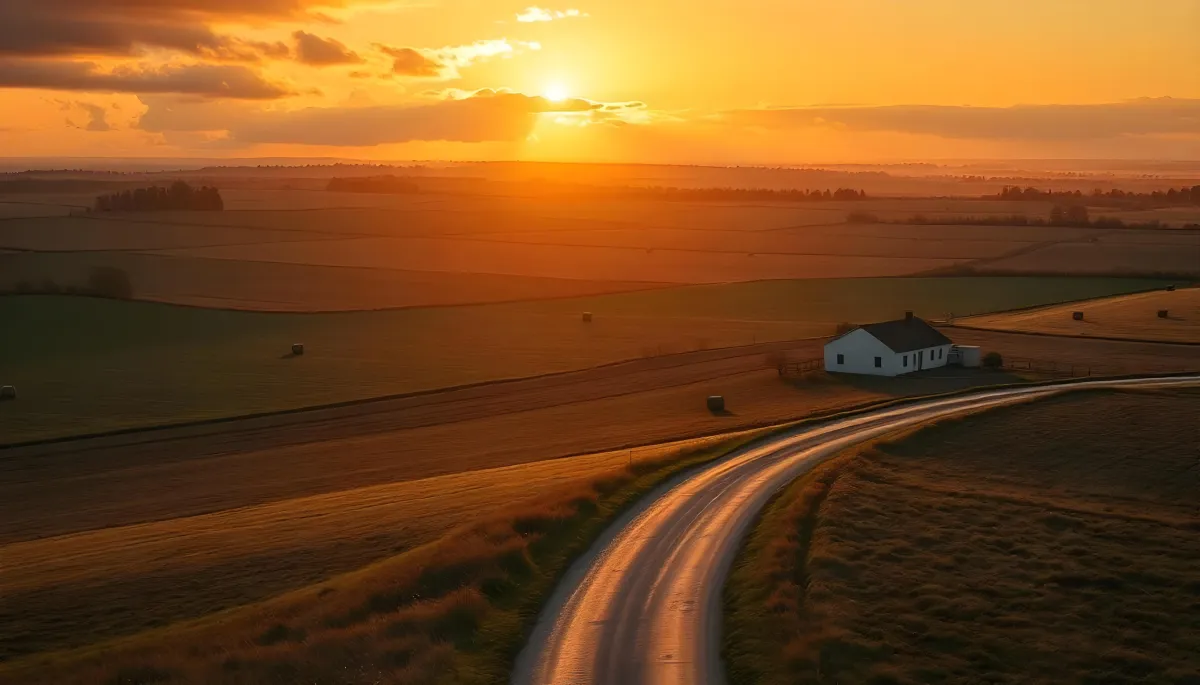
[1075, 216]
[179, 196]
[400, 185]
[757, 194]
[373, 184]
[1099, 198]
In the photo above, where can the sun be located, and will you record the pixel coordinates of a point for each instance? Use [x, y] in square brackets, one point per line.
[556, 92]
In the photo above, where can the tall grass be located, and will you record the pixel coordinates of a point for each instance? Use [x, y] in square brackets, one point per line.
[456, 610]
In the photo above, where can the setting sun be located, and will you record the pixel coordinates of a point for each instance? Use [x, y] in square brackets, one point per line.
[556, 92]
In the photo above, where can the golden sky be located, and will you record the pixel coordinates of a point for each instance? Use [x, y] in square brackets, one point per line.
[708, 81]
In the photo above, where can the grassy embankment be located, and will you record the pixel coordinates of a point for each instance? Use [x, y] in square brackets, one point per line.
[87, 365]
[453, 610]
[1052, 541]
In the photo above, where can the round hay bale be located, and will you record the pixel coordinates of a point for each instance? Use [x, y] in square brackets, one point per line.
[716, 403]
[298, 349]
[8, 392]
[587, 317]
[1078, 316]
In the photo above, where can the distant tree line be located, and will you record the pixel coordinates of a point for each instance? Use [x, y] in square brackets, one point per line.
[373, 184]
[756, 194]
[1113, 198]
[156, 198]
[1076, 216]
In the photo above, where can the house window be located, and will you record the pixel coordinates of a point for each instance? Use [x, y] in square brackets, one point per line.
[906, 361]
[879, 362]
[841, 359]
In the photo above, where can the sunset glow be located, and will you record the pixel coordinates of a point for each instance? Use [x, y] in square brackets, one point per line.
[722, 81]
[556, 92]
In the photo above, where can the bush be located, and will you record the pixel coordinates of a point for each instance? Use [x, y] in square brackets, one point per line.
[861, 218]
[109, 281]
[992, 360]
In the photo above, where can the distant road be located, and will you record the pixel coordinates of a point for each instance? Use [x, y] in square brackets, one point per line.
[644, 605]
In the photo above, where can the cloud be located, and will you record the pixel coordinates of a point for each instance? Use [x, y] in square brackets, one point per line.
[208, 80]
[319, 52]
[485, 117]
[536, 14]
[97, 117]
[414, 63]
[38, 30]
[444, 63]
[1147, 116]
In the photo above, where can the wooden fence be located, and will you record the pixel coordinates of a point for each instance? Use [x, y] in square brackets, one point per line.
[799, 368]
[1049, 367]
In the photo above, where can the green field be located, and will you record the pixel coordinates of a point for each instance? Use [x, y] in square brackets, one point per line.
[84, 365]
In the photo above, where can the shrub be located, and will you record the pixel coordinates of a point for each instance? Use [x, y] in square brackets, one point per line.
[861, 218]
[109, 281]
[992, 360]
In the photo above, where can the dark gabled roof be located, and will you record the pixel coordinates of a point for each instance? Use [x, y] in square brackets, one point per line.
[906, 335]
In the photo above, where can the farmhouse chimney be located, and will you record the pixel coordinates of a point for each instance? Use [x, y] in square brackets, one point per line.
[908, 315]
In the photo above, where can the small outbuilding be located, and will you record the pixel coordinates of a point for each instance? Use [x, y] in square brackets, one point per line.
[890, 348]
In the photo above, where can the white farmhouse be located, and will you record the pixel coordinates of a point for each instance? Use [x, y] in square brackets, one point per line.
[890, 348]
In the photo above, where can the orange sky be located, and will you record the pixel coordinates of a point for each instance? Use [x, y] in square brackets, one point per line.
[718, 81]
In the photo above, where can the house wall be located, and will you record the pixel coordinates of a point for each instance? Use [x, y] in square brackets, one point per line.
[934, 357]
[860, 349]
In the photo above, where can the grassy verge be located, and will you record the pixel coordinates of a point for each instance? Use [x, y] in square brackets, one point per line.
[456, 610]
[765, 594]
[1051, 540]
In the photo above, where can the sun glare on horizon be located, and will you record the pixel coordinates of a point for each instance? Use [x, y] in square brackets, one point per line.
[556, 92]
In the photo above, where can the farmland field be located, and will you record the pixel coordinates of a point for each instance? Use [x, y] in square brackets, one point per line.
[96, 547]
[1174, 257]
[85, 365]
[1052, 541]
[349, 240]
[280, 287]
[1126, 316]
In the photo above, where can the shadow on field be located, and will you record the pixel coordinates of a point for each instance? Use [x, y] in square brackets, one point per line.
[919, 383]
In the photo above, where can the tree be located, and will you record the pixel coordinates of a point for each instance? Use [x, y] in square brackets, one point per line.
[1077, 215]
[992, 360]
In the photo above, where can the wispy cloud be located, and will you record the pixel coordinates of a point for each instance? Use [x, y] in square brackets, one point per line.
[444, 63]
[208, 80]
[535, 14]
[485, 116]
[1146, 116]
[320, 52]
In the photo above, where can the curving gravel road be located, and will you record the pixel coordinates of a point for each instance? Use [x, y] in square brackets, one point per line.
[644, 605]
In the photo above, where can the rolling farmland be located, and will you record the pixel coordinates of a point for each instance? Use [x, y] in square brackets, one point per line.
[146, 364]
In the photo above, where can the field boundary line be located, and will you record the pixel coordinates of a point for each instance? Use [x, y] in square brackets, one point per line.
[1108, 338]
[745, 349]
